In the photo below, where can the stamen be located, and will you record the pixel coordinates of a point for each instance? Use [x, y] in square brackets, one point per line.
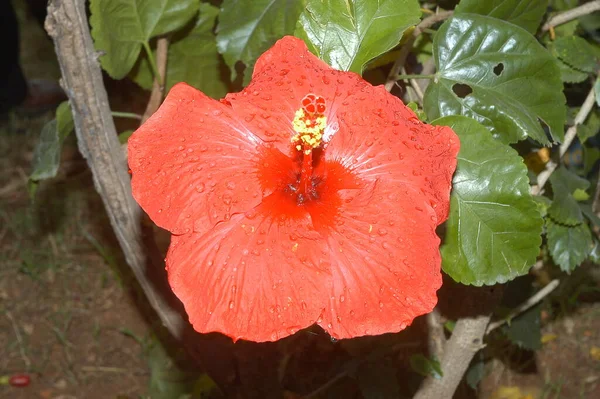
[309, 123]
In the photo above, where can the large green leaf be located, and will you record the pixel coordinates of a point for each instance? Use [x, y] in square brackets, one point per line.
[525, 13]
[247, 29]
[46, 156]
[569, 246]
[564, 208]
[348, 33]
[193, 58]
[121, 27]
[498, 74]
[494, 229]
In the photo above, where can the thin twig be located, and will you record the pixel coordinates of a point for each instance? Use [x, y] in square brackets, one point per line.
[416, 88]
[158, 87]
[581, 116]
[529, 303]
[405, 50]
[19, 340]
[571, 14]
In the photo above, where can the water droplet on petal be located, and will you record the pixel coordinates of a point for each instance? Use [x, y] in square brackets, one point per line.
[382, 231]
[380, 305]
[342, 298]
[231, 304]
[200, 187]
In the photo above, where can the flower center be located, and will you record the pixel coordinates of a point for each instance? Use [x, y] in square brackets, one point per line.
[309, 124]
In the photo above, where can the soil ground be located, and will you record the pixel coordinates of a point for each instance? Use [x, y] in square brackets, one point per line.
[72, 318]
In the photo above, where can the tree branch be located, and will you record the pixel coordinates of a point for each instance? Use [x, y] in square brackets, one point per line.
[466, 340]
[581, 116]
[97, 139]
[405, 50]
[437, 337]
[158, 87]
[571, 14]
[534, 300]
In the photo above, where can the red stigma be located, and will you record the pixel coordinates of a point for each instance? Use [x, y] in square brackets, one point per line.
[312, 104]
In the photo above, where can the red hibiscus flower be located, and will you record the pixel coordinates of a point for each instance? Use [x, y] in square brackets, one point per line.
[309, 197]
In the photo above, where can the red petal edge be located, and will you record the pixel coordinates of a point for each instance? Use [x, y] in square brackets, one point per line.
[252, 277]
[193, 163]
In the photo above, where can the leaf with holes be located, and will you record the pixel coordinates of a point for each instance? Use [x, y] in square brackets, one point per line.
[564, 208]
[348, 34]
[121, 27]
[247, 29]
[494, 228]
[499, 75]
[525, 13]
[569, 246]
[190, 51]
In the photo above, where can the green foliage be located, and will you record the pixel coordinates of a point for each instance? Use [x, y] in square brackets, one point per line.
[192, 50]
[246, 29]
[525, 13]
[121, 27]
[498, 74]
[46, 156]
[493, 231]
[524, 330]
[348, 34]
[476, 371]
[564, 208]
[569, 246]
[425, 366]
[577, 53]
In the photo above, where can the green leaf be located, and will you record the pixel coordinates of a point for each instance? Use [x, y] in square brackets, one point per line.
[597, 90]
[569, 246]
[46, 156]
[347, 34]
[493, 232]
[525, 330]
[476, 372]
[595, 253]
[425, 366]
[577, 53]
[121, 27]
[502, 76]
[247, 29]
[564, 208]
[586, 209]
[525, 13]
[193, 58]
[570, 75]
[591, 155]
[543, 203]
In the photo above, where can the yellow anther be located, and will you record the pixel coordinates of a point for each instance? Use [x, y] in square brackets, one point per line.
[309, 129]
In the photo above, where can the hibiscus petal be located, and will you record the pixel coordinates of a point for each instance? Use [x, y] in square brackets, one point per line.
[254, 277]
[385, 262]
[380, 138]
[283, 75]
[193, 163]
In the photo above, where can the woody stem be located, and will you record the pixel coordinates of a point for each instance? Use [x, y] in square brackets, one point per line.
[306, 170]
